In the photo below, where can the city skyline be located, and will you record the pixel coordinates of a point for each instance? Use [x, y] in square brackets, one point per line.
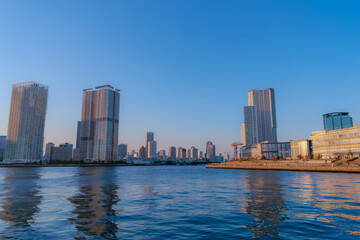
[204, 68]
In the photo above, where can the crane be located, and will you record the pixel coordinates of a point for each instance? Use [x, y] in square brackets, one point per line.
[235, 146]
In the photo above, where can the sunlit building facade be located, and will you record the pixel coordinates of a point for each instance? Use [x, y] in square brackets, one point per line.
[264, 101]
[301, 148]
[25, 137]
[332, 143]
[99, 124]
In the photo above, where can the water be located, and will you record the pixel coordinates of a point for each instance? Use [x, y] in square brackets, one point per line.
[177, 202]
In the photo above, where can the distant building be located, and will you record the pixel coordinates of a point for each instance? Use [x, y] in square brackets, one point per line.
[337, 120]
[78, 131]
[162, 154]
[2, 146]
[260, 117]
[179, 150]
[122, 151]
[301, 148]
[151, 147]
[227, 157]
[76, 154]
[210, 150]
[200, 155]
[48, 150]
[172, 152]
[149, 138]
[25, 137]
[333, 143]
[266, 150]
[243, 134]
[193, 152]
[142, 153]
[188, 154]
[61, 153]
[183, 153]
[100, 124]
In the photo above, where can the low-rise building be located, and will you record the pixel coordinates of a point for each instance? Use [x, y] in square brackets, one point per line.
[301, 148]
[329, 144]
[266, 150]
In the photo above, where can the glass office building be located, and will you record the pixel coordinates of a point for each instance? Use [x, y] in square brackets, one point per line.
[337, 120]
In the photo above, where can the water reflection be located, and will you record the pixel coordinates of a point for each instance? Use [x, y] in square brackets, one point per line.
[94, 202]
[20, 198]
[265, 204]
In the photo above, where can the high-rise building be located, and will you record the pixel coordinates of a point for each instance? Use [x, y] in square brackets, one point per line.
[142, 152]
[172, 152]
[179, 152]
[200, 154]
[122, 151]
[264, 101]
[243, 135]
[162, 154]
[183, 153]
[99, 124]
[2, 146]
[250, 129]
[78, 130]
[149, 137]
[48, 147]
[193, 152]
[151, 147]
[25, 137]
[210, 150]
[188, 153]
[337, 120]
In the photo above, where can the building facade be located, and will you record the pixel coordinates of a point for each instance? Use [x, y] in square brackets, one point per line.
[142, 152]
[61, 153]
[25, 137]
[99, 124]
[250, 134]
[172, 152]
[2, 146]
[329, 144]
[194, 152]
[48, 147]
[264, 103]
[151, 148]
[122, 151]
[266, 150]
[302, 148]
[337, 120]
[210, 150]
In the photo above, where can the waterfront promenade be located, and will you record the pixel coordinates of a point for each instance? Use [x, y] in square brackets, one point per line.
[343, 165]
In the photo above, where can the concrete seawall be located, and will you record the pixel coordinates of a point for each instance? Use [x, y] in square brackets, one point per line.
[286, 167]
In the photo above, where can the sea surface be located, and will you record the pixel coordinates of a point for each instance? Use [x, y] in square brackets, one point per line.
[176, 202]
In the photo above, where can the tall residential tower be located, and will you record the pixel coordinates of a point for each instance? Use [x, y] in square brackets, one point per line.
[260, 117]
[99, 124]
[25, 136]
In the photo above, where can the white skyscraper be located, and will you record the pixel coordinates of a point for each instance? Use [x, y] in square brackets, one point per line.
[260, 117]
[99, 124]
[25, 137]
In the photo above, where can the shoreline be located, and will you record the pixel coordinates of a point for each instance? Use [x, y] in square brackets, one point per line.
[286, 166]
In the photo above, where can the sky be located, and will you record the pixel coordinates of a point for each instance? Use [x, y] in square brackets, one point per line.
[184, 67]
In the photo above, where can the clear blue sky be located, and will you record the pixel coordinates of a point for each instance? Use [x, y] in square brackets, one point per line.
[184, 67]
